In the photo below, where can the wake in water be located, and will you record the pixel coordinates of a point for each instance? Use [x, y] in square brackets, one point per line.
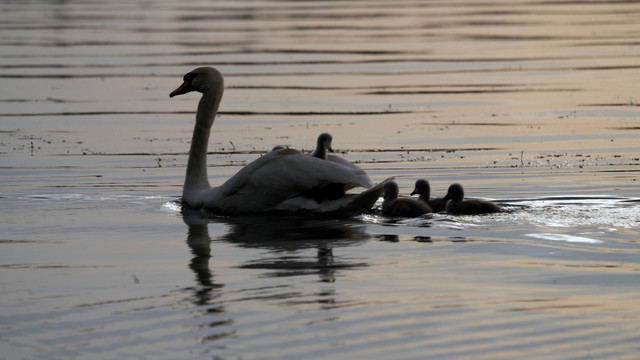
[603, 212]
[575, 219]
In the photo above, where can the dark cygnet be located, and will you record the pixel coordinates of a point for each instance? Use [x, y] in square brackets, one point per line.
[329, 191]
[457, 204]
[322, 146]
[406, 207]
[423, 188]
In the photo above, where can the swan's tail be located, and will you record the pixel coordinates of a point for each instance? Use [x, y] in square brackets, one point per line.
[367, 199]
[348, 203]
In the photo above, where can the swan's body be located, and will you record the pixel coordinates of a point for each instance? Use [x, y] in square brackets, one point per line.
[423, 188]
[395, 206]
[457, 205]
[275, 181]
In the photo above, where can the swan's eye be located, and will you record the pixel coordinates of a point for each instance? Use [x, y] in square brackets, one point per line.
[188, 78]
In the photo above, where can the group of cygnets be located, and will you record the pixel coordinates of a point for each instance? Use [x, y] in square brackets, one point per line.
[394, 205]
[452, 203]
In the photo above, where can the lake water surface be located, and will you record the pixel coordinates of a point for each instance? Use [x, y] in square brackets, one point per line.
[533, 104]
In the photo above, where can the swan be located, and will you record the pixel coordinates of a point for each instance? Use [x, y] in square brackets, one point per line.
[395, 206]
[275, 181]
[423, 188]
[456, 204]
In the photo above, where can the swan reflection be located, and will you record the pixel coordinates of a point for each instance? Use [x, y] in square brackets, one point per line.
[286, 237]
[199, 242]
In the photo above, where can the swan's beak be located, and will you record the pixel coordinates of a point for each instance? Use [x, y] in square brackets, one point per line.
[413, 192]
[183, 89]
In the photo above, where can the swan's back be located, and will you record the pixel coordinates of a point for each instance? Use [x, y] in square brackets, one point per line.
[276, 178]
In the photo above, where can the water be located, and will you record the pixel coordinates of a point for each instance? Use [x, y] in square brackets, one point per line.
[531, 104]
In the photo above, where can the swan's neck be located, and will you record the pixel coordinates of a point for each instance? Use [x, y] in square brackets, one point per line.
[196, 178]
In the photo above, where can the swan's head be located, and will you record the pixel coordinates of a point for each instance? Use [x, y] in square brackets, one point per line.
[455, 193]
[203, 79]
[390, 190]
[422, 187]
[324, 141]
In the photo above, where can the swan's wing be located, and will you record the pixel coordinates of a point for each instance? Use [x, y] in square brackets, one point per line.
[349, 203]
[362, 178]
[293, 172]
[274, 178]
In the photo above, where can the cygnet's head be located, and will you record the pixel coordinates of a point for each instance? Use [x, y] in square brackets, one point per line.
[324, 141]
[455, 193]
[390, 190]
[203, 79]
[422, 187]
[323, 145]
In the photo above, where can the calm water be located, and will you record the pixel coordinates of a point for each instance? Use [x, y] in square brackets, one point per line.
[532, 104]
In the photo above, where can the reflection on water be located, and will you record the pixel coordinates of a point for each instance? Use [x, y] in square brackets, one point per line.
[284, 236]
[442, 259]
[281, 234]
[255, 285]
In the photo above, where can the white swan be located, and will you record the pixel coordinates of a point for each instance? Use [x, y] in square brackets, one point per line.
[275, 181]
